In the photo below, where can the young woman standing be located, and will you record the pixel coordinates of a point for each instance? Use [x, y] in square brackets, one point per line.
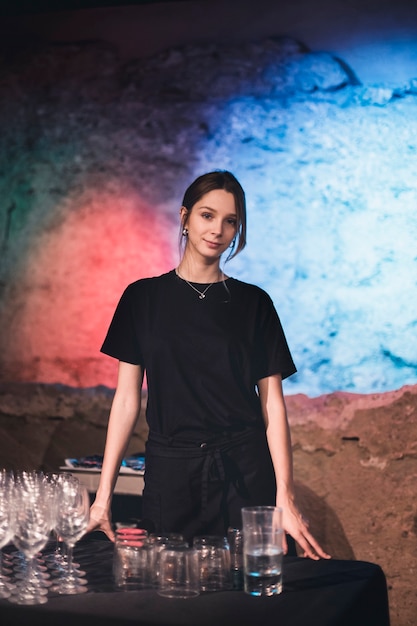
[215, 355]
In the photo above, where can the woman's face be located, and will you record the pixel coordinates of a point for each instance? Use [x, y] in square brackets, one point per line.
[211, 224]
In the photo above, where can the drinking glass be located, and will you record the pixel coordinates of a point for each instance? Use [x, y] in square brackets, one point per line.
[31, 533]
[7, 524]
[178, 576]
[235, 539]
[262, 550]
[159, 543]
[214, 562]
[131, 559]
[71, 524]
[57, 560]
[54, 559]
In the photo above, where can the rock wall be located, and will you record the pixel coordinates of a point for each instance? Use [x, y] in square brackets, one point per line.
[95, 156]
[355, 461]
[74, 165]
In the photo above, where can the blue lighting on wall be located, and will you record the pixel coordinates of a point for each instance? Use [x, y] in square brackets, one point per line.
[332, 200]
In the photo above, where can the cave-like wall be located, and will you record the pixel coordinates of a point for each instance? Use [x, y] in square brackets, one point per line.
[96, 153]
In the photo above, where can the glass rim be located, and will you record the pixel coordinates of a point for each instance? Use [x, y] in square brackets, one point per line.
[266, 507]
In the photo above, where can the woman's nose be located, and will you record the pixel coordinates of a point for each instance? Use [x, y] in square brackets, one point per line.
[217, 227]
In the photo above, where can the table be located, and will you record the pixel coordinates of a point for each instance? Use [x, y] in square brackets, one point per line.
[128, 483]
[127, 495]
[316, 593]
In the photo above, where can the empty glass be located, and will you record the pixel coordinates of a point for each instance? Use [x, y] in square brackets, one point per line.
[235, 539]
[131, 559]
[31, 533]
[57, 561]
[214, 562]
[178, 572]
[159, 543]
[7, 525]
[71, 523]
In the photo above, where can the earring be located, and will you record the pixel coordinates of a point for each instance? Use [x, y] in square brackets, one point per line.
[185, 232]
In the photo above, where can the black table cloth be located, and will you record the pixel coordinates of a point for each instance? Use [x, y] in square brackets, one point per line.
[322, 593]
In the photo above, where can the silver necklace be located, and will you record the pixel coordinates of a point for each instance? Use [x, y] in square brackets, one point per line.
[201, 294]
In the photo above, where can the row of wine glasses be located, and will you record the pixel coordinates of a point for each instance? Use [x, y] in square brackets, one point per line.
[6, 527]
[35, 506]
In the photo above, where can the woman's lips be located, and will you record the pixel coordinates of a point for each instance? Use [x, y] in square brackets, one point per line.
[213, 244]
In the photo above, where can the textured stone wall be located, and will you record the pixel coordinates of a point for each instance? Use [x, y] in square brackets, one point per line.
[96, 153]
[90, 146]
[355, 462]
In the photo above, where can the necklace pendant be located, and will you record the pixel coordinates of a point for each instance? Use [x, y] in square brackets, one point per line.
[202, 296]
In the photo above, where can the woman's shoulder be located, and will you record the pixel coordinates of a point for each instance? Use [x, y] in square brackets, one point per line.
[249, 289]
[149, 281]
[148, 284]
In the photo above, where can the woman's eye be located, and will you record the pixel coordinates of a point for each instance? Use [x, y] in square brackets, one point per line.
[232, 221]
[206, 215]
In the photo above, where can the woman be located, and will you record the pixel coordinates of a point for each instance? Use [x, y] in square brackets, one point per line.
[215, 355]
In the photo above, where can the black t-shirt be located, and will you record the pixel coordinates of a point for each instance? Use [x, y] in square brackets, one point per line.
[202, 357]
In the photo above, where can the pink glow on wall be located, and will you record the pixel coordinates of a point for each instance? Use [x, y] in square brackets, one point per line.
[76, 273]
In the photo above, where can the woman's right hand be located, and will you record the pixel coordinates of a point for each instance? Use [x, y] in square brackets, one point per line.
[124, 414]
[100, 519]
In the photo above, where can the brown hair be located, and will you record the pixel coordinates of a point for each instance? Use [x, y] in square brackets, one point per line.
[219, 179]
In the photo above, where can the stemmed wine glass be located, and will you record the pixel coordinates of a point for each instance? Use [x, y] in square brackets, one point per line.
[7, 521]
[71, 523]
[56, 559]
[32, 504]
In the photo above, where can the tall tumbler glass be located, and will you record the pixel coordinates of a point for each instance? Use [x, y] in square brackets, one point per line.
[262, 550]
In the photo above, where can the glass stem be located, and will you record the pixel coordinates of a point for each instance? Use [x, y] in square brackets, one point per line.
[4, 586]
[29, 576]
[69, 560]
[2, 582]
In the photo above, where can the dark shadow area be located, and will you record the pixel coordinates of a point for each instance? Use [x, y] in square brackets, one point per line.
[324, 523]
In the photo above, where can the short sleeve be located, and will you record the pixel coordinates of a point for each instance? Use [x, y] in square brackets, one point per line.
[121, 341]
[273, 355]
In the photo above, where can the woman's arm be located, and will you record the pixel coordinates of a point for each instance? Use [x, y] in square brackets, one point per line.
[279, 442]
[123, 417]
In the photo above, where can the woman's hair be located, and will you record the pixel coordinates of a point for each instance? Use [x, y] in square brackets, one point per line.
[220, 179]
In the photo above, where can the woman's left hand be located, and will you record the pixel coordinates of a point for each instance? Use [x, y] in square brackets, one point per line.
[296, 525]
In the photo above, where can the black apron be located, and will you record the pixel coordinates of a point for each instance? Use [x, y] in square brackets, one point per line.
[199, 487]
